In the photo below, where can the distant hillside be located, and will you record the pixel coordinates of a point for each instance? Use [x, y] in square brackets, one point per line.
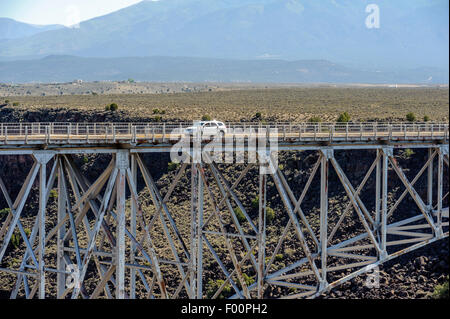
[170, 69]
[411, 34]
[11, 29]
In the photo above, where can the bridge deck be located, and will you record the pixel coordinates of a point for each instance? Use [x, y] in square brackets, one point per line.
[156, 134]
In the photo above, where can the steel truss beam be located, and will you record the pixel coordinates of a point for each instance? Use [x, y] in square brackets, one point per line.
[98, 235]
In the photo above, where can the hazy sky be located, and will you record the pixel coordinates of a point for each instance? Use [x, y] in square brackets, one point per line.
[66, 12]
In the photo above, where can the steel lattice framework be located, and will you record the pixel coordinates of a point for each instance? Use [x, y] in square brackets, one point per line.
[114, 252]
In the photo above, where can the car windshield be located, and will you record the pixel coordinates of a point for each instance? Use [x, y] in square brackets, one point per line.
[209, 123]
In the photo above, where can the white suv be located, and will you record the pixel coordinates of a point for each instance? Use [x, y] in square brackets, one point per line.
[207, 128]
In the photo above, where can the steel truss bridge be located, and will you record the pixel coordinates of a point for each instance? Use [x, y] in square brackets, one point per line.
[104, 236]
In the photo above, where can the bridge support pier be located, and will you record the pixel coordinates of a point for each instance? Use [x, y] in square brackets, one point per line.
[442, 152]
[386, 152]
[42, 158]
[122, 165]
[261, 237]
[62, 213]
[133, 225]
[326, 154]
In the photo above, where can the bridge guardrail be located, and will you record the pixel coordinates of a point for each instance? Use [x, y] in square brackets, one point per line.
[325, 130]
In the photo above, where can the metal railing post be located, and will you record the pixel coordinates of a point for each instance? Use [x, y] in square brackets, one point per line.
[360, 131]
[164, 133]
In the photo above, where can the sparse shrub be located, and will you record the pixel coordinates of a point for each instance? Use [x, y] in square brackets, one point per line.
[206, 118]
[214, 285]
[292, 289]
[16, 104]
[426, 118]
[113, 107]
[407, 153]
[172, 166]
[315, 119]
[54, 194]
[258, 115]
[289, 252]
[7, 101]
[13, 263]
[411, 117]
[248, 280]
[158, 111]
[27, 232]
[255, 202]
[157, 118]
[15, 240]
[343, 118]
[279, 257]
[85, 159]
[441, 291]
[4, 212]
[240, 215]
[270, 215]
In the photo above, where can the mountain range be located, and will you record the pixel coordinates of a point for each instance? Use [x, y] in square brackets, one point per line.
[188, 69]
[413, 38]
[11, 29]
